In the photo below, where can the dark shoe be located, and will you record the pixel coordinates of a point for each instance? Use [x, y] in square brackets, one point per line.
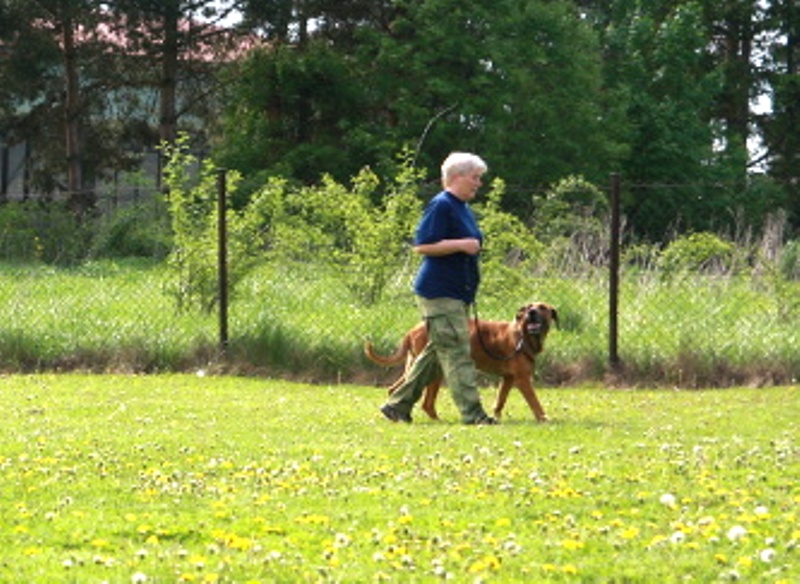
[485, 420]
[391, 414]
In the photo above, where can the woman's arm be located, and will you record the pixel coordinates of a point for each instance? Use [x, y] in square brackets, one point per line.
[468, 245]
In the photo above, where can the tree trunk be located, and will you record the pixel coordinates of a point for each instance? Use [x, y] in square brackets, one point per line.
[168, 122]
[80, 201]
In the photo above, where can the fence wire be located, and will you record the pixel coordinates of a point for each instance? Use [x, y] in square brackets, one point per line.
[730, 321]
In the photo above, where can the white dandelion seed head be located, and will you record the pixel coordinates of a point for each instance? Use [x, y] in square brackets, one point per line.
[677, 538]
[668, 499]
[736, 533]
[139, 578]
[761, 510]
[767, 555]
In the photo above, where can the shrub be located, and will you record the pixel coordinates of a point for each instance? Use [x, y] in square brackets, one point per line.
[192, 205]
[571, 218]
[511, 251]
[698, 252]
[133, 231]
[790, 260]
[42, 231]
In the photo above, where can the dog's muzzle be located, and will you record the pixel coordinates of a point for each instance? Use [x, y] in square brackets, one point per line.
[534, 323]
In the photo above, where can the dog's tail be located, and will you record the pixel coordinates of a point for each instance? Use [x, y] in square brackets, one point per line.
[396, 358]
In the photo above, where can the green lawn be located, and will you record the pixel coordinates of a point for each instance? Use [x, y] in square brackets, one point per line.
[193, 478]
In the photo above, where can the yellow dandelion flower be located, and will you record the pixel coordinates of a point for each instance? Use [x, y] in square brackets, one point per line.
[657, 540]
[745, 561]
[390, 538]
[236, 542]
[548, 567]
[572, 544]
[153, 540]
[477, 567]
[503, 522]
[721, 558]
[569, 569]
[630, 533]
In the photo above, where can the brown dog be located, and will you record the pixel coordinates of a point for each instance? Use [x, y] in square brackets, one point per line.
[507, 349]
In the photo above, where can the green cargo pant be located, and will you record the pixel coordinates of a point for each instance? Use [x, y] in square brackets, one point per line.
[448, 352]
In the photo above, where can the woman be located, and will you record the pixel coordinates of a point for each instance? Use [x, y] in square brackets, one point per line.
[449, 239]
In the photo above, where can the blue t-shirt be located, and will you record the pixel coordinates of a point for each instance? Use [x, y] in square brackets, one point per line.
[454, 275]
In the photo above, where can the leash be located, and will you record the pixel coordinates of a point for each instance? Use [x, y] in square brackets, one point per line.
[517, 349]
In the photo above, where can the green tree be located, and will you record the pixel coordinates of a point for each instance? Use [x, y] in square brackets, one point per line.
[781, 125]
[46, 94]
[519, 84]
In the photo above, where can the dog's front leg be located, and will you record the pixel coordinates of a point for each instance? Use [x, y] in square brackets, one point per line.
[506, 382]
[526, 387]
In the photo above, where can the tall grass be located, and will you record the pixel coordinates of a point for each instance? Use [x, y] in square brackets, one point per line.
[301, 320]
[187, 478]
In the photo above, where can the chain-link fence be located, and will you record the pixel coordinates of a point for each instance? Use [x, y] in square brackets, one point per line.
[730, 320]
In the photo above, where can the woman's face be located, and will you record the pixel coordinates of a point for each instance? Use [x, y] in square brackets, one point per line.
[465, 186]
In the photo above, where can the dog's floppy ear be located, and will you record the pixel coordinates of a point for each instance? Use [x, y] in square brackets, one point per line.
[523, 310]
[554, 314]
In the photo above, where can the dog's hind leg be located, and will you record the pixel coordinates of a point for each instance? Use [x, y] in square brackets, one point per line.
[429, 400]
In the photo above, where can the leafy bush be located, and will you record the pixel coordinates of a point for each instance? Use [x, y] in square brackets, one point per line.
[192, 205]
[572, 218]
[365, 241]
[133, 231]
[790, 260]
[39, 231]
[511, 251]
[698, 252]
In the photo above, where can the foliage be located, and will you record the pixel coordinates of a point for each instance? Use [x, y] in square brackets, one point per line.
[365, 240]
[132, 231]
[298, 319]
[192, 202]
[204, 478]
[510, 251]
[375, 237]
[49, 233]
[571, 218]
[698, 252]
[347, 96]
[790, 260]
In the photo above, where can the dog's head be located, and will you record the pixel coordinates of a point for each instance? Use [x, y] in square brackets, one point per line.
[534, 320]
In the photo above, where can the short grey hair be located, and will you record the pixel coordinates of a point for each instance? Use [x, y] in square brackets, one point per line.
[460, 163]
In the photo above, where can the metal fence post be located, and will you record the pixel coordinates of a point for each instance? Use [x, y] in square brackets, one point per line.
[613, 293]
[222, 255]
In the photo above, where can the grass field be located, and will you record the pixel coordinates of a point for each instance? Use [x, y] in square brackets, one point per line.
[195, 478]
[299, 320]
